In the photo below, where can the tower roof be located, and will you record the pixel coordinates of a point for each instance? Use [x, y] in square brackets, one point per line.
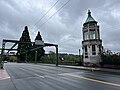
[38, 37]
[89, 18]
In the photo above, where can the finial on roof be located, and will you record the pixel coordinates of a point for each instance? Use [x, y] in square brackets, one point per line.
[89, 13]
[26, 28]
[89, 18]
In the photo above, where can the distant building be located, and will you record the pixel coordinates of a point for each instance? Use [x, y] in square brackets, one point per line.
[91, 44]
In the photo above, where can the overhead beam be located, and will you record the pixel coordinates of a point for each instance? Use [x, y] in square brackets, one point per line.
[16, 41]
[12, 41]
[12, 47]
[49, 44]
[7, 49]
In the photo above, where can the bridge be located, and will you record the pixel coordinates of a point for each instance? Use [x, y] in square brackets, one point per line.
[34, 49]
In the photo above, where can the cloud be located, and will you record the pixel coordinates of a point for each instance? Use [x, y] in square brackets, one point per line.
[64, 28]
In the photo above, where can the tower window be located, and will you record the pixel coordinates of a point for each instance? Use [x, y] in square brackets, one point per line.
[86, 53]
[93, 50]
[99, 48]
[86, 35]
[91, 25]
[85, 26]
[85, 48]
[86, 56]
[92, 34]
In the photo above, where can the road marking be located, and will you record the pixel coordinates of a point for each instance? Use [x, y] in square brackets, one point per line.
[39, 76]
[94, 80]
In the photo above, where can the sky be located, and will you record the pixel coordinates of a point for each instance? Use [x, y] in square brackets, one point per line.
[62, 26]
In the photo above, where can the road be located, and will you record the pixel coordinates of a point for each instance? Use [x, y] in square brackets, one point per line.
[43, 77]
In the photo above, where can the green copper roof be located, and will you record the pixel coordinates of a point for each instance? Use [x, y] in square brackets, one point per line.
[89, 18]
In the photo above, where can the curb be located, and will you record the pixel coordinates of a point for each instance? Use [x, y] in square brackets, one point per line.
[105, 70]
[82, 68]
[114, 71]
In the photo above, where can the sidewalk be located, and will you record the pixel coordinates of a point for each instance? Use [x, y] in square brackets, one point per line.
[3, 74]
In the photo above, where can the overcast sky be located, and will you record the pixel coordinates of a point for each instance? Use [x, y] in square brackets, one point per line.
[65, 27]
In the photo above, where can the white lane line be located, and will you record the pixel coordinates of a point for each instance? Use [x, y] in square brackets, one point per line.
[39, 76]
[94, 80]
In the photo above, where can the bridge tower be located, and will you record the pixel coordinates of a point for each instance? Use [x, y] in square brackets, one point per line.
[91, 44]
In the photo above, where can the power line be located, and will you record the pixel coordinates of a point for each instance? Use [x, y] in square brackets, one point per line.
[45, 13]
[55, 13]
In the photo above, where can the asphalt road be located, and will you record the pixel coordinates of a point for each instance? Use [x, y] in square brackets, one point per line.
[43, 77]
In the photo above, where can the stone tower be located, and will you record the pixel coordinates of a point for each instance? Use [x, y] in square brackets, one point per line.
[91, 44]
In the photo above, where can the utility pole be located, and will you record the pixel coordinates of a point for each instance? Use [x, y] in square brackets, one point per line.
[80, 56]
[56, 55]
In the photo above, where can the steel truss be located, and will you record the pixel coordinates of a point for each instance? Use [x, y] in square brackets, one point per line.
[17, 42]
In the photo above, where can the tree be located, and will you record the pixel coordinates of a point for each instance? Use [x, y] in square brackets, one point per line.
[13, 58]
[52, 56]
[24, 45]
[110, 60]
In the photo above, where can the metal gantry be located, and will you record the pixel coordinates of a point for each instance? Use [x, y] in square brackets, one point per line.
[16, 42]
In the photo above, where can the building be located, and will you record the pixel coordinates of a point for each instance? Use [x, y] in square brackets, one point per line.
[91, 44]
